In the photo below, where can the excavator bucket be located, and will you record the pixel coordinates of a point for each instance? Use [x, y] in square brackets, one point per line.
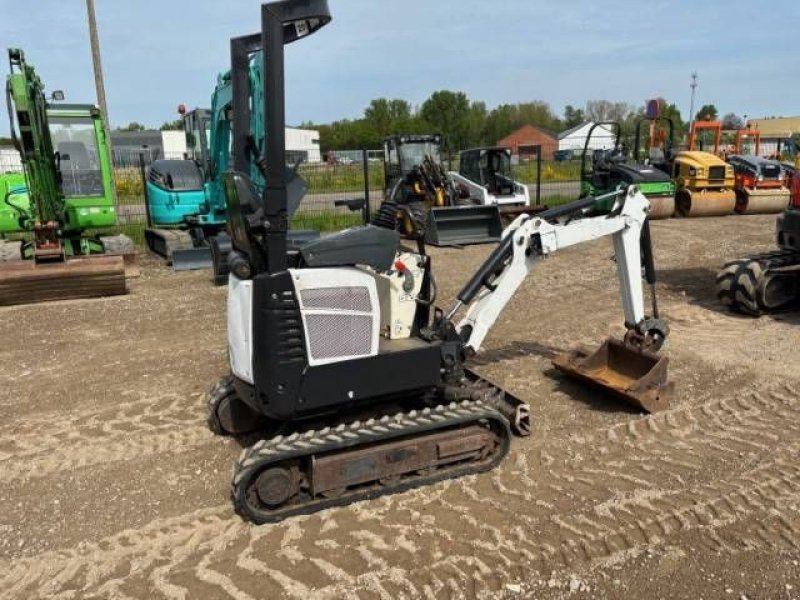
[636, 376]
[24, 282]
[762, 201]
[463, 225]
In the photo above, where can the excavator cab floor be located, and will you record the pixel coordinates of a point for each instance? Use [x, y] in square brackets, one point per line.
[25, 282]
[638, 377]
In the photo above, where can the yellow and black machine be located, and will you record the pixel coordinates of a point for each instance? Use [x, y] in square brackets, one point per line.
[422, 198]
[705, 182]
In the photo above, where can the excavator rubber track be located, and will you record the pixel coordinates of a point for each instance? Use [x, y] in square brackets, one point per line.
[318, 469]
[760, 284]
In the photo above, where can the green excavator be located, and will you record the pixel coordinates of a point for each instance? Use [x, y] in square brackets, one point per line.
[49, 221]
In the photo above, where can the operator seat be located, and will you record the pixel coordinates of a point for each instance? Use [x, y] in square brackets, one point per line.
[368, 245]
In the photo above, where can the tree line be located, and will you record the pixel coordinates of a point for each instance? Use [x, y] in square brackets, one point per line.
[467, 123]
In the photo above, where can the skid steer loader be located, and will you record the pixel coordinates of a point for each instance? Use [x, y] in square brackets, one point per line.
[357, 384]
[421, 196]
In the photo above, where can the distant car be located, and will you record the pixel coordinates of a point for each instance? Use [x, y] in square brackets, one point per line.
[563, 155]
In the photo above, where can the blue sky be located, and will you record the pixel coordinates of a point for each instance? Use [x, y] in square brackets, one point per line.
[158, 54]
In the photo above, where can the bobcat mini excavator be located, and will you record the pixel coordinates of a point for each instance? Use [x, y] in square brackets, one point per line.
[69, 184]
[339, 360]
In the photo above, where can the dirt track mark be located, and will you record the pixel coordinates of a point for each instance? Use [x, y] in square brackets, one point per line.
[48, 443]
[581, 507]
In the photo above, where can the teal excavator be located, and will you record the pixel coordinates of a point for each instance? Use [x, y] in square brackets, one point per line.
[186, 211]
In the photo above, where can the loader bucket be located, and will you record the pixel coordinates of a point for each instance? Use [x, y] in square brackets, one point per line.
[190, 259]
[463, 225]
[661, 207]
[705, 203]
[636, 376]
[762, 202]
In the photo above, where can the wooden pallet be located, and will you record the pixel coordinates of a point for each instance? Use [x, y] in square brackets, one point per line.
[24, 282]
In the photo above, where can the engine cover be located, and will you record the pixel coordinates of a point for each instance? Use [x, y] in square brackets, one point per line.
[340, 313]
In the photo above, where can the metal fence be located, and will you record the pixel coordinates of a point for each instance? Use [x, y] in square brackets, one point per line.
[336, 189]
[334, 200]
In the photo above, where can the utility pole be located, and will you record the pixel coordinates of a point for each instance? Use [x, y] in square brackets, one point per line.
[693, 85]
[98, 67]
[98, 82]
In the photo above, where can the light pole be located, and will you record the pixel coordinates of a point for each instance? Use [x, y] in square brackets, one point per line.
[98, 80]
[98, 67]
[693, 85]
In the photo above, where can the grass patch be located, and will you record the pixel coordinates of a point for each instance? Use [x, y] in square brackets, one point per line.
[326, 221]
[551, 171]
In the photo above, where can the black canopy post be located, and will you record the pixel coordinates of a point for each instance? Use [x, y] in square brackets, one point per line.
[275, 202]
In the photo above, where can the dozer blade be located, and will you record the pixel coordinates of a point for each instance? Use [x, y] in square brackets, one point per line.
[463, 225]
[24, 282]
[705, 203]
[507, 404]
[661, 207]
[636, 376]
[762, 202]
[191, 259]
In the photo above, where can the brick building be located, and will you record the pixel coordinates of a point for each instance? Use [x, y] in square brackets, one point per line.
[521, 141]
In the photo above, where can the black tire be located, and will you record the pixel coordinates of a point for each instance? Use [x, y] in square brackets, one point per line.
[683, 203]
[726, 282]
[386, 216]
[117, 244]
[419, 212]
[749, 286]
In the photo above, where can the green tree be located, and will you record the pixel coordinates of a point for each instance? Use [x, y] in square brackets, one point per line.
[132, 126]
[671, 111]
[605, 110]
[707, 112]
[507, 118]
[387, 116]
[449, 113]
[732, 121]
[573, 117]
[176, 125]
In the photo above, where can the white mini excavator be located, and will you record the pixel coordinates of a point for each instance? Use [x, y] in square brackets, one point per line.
[355, 383]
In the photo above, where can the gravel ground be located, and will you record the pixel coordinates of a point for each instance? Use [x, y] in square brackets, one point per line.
[112, 487]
